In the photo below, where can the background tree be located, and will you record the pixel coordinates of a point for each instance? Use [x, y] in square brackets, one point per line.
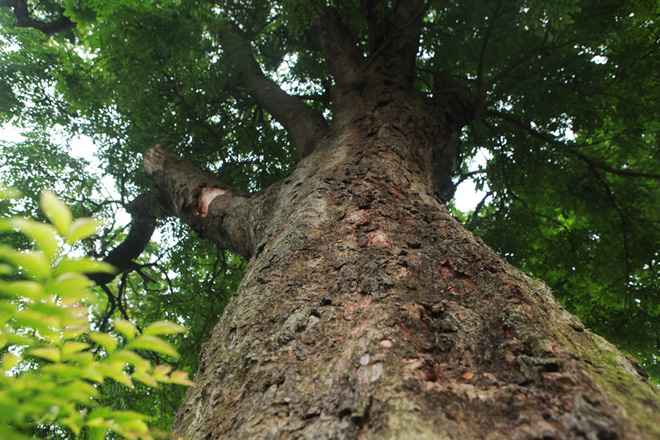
[561, 98]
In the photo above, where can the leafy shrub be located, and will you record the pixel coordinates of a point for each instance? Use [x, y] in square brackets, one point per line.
[51, 359]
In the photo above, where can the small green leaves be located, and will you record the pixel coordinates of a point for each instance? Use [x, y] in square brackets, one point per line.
[108, 342]
[181, 378]
[44, 236]
[82, 265]
[35, 264]
[9, 193]
[49, 353]
[153, 343]
[29, 289]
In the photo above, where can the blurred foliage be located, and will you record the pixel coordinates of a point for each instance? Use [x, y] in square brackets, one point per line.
[567, 153]
[53, 362]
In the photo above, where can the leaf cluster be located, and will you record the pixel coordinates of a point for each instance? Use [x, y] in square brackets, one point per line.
[53, 361]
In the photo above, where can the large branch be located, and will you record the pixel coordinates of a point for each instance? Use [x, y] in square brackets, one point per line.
[144, 210]
[329, 33]
[395, 42]
[197, 197]
[224, 215]
[408, 20]
[24, 19]
[303, 123]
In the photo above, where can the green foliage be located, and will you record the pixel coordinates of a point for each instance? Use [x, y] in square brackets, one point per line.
[52, 361]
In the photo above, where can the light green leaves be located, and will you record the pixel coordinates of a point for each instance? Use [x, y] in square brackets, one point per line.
[163, 328]
[80, 228]
[153, 343]
[53, 359]
[44, 236]
[35, 264]
[126, 328]
[56, 211]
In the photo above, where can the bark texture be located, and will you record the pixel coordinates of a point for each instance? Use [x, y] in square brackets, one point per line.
[368, 312]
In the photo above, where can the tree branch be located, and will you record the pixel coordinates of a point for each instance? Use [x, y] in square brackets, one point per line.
[377, 23]
[144, 210]
[402, 34]
[211, 208]
[482, 54]
[24, 19]
[408, 20]
[590, 161]
[329, 33]
[523, 58]
[303, 123]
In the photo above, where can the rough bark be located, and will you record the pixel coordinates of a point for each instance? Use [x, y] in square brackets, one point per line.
[368, 312]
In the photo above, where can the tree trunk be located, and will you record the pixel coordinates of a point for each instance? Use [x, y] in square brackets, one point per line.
[368, 312]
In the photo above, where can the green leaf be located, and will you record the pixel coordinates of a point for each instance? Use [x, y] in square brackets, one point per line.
[34, 263]
[132, 358]
[153, 343]
[163, 328]
[72, 347]
[41, 322]
[69, 284]
[44, 236]
[49, 353]
[6, 269]
[82, 265]
[83, 359]
[73, 331]
[105, 340]
[81, 228]
[9, 193]
[126, 328]
[96, 432]
[57, 212]
[27, 289]
[74, 422]
[77, 391]
[115, 370]
[9, 360]
[161, 372]
[145, 378]
[181, 378]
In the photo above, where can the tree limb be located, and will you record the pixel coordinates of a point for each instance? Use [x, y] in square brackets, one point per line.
[523, 58]
[303, 123]
[212, 209]
[590, 161]
[408, 19]
[329, 33]
[24, 19]
[144, 210]
[402, 35]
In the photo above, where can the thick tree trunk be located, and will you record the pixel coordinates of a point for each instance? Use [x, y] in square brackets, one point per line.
[368, 312]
